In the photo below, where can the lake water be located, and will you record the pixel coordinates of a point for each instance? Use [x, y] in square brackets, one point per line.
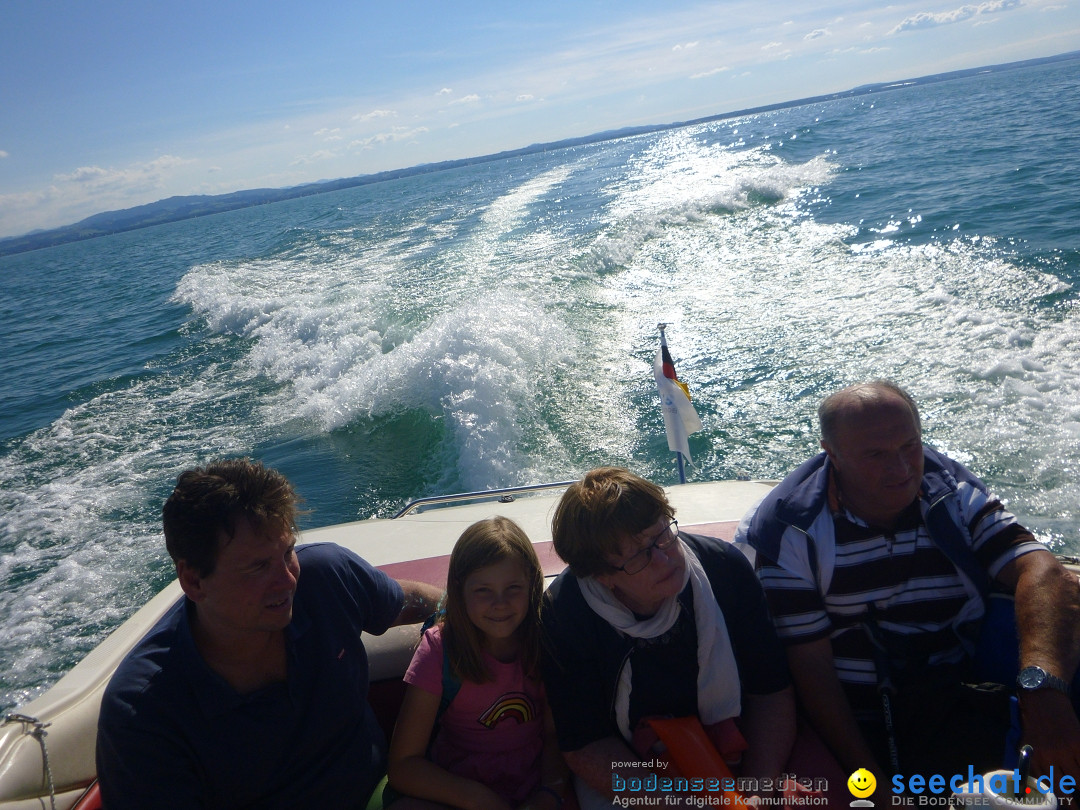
[495, 325]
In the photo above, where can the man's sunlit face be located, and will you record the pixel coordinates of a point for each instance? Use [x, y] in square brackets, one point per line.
[253, 583]
[878, 456]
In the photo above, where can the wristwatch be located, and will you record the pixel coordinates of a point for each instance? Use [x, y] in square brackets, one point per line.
[1033, 678]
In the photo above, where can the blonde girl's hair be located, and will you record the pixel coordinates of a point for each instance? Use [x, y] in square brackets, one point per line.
[485, 543]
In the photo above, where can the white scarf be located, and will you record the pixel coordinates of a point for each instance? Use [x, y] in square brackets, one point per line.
[718, 690]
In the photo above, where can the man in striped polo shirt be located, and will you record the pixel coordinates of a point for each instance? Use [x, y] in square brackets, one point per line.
[876, 557]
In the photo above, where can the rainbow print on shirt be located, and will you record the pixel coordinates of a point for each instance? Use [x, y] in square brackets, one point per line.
[515, 705]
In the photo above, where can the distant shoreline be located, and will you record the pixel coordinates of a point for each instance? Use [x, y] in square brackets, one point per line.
[175, 209]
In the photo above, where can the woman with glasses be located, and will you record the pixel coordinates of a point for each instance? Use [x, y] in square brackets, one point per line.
[650, 621]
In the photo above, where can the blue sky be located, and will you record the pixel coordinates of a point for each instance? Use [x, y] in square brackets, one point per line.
[113, 103]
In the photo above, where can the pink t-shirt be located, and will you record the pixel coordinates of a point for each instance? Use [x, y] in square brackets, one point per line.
[491, 732]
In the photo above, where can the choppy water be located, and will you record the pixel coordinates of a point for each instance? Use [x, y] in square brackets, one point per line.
[495, 325]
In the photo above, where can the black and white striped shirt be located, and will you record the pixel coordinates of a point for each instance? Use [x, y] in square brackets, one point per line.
[842, 575]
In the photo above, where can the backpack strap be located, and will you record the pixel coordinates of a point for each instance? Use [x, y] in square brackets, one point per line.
[451, 684]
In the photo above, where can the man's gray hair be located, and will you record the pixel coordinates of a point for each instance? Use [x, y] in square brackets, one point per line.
[833, 408]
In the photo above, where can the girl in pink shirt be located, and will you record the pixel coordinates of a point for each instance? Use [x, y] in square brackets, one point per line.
[494, 745]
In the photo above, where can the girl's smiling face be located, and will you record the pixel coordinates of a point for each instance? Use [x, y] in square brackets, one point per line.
[497, 601]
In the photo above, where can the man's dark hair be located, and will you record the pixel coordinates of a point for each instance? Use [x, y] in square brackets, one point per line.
[834, 407]
[208, 502]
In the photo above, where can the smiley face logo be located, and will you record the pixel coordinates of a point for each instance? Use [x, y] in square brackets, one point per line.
[861, 783]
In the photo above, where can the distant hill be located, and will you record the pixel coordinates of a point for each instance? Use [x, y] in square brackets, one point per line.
[174, 209]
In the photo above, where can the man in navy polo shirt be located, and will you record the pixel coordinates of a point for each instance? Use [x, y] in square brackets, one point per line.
[252, 690]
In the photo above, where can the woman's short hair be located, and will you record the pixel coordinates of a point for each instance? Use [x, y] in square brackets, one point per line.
[599, 513]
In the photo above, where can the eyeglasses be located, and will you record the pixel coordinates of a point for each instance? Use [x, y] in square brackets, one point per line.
[640, 561]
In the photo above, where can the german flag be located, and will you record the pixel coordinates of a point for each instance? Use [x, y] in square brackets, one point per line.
[680, 418]
[669, 366]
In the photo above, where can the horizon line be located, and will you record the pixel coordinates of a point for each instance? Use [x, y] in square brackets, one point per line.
[65, 234]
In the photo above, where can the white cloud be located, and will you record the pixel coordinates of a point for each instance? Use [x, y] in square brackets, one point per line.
[927, 19]
[686, 47]
[138, 176]
[444, 92]
[770, 45]
[3, 154]
[525, 97]
[708, 73]
[375, 114]
[86, 190]
[472, 98]
[27, 199]
[857, 50]
[817, 33]
[84, 174]
[396, 134]
[314, 157]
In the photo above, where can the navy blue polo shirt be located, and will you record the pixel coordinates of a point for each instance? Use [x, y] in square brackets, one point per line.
[173, 733]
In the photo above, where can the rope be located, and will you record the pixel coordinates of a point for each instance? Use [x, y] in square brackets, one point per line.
[37, 731]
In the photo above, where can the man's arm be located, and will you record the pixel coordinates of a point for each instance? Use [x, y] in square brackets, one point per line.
[826, 705]
[1048, 622]
[421, 600]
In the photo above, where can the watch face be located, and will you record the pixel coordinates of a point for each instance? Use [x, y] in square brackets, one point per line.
[1031, 677]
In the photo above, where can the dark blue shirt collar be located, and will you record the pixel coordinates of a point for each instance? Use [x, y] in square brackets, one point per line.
[213, 694]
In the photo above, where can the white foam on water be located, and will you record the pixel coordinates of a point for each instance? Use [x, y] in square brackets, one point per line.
[470, 349]
[77, 495]
[511, 210]
[680, 181]
[772, 310]
[477, 367]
